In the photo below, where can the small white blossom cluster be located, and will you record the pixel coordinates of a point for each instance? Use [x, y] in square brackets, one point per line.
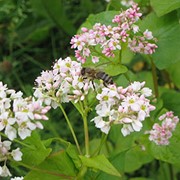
[62, 84]
[127, 106]
[5, 153]
[110, 38]
[18, 116]
[160, 134]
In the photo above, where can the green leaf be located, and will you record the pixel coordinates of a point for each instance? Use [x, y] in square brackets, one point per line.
[103, 18]
[133, 155]
[162, 7]
[171, 101]
[57, 166]
[115, 69]
[71, 150]
[38, 8]
[36, 152]
[56, 13]
[167, 31]
[101, 163]
[73, 154]
[174, 73]
[105, 148]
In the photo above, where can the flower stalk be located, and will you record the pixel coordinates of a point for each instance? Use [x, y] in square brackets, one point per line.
[155, 80]
[84, 111]
[71, 129]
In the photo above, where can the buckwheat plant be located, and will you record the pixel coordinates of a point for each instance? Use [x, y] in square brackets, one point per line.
[125, 110]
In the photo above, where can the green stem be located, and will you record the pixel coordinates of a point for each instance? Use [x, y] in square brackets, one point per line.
[171, 172]
[107, 7]
[120, 54]
[71, 129]
[103, 139]
[167, 78]
[86, 132]
[155, 80]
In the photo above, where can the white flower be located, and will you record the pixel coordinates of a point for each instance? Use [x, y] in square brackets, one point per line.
[5, 146]
[136, 86]
[10, 131]
[95, 59]
[135, 28]
[24, 132]
[15, 95]
[103, 109]
[148, 34]
[146, 92]
[99, 123]
[126, 129]
[4, 171]
[16, 154]
[137, 125]
[132, 102]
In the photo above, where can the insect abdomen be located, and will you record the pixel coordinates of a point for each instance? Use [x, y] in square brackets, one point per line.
[105, 77]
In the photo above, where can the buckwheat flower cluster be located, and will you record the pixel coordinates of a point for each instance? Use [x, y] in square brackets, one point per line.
[18, 117]
[110, 38]
[62, 84]
[160, 134]
[127, 106]
[5, 153]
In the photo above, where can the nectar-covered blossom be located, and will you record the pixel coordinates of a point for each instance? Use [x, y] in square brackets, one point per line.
[62, 84]
[109, 39]
[127, 106]
[160, 134]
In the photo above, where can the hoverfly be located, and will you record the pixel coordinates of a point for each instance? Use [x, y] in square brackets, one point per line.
[92, 74]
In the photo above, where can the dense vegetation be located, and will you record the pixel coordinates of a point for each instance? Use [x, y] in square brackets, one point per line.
[34, 34]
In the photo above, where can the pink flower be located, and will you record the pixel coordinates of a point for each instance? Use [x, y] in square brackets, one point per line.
[160, 134]
[110, 38]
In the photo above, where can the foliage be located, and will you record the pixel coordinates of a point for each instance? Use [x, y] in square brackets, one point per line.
[34, 32]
